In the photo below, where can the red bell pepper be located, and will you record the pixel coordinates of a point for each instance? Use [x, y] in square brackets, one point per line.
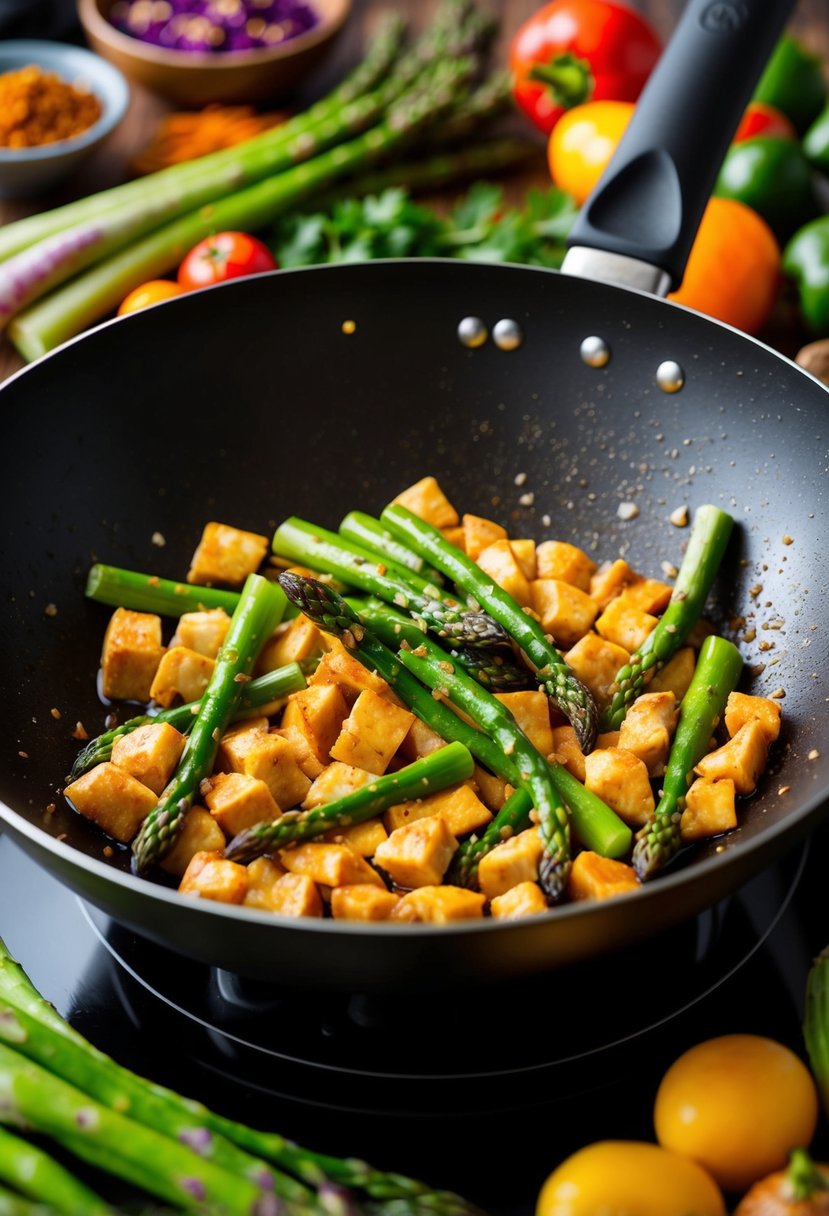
[572, 51]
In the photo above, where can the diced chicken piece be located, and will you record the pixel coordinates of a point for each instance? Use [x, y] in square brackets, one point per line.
[493, 791]
[304, 754]
[226, 555]
[339, 667]
[566, 751]
[741, 708]
[499, 562]
[200, 833]
[677, 673]
[362, 902]
[621, 780]
[418, 854]
[606, 739]
[288, 895]
[272, 761]
[524, 899]
[559, 560]
[479, 533]
[647, 595]
[318, 713]
[563, 610]
[131, 654]
[113, 799]
[335, 781]
[439, 905]
[427, 500]
[238, 802]
[742, 758]
[263, 875]
[333, 865]
[420, 740]
[596, 877]
[293, 642]
[531, 711]
[508, 864]
[709, 809]
[372, 733]
[524, 550]
[362, 838]
[237, 741]
[150, 754]
[460, 808]
[648, 727]
[182, 673]
[203, 631]
[610, 580]
[627, 627]
[596, 662]
[211, 876]
[456, 536]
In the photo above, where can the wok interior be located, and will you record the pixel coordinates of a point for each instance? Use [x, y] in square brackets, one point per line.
[251, 402]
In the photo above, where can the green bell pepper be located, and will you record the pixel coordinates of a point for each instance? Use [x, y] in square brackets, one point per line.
[793, 82]
[816, 141]
[773, 177]
[806, 260]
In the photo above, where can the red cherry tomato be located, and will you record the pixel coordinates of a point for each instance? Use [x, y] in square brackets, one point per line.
[226, 255]
[573, 51]
[763, 119]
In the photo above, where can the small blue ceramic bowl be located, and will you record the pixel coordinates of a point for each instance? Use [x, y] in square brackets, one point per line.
[28, 172]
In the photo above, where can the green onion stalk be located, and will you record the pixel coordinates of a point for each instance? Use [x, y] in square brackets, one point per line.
[98, 290]
[260, 608]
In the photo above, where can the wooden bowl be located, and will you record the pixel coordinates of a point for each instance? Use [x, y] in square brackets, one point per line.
[193, 78]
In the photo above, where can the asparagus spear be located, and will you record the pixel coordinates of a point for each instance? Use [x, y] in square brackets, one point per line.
[171, 1171]
[15, 1205]
[597, 826]
[367, 532]
[706, 546]
[448, 766]
[495, 669]
[322, 550]
[149, 593]
[258, 612]
[315, 1169]
[716, 675]
[99, 289]
[257, 696]
[37, 1176]
[562, 685]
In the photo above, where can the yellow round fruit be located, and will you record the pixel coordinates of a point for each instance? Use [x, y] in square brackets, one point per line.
[737, 1105]
[629, 1178]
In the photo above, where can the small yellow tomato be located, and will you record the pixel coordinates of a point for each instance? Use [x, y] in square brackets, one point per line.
[737, 1105]
[583, 141]
[149, 293]
[629, 1178]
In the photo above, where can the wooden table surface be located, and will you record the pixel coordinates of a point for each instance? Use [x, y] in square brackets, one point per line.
[810, 23]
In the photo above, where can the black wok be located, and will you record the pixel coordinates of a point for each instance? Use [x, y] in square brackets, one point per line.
[249, 402]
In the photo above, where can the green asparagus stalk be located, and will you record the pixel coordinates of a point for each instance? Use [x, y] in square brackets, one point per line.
[597, 826]
[716, 675]
[562, 685]
[495, 670]
[377, 65]
[149, 593]
[448, 766]
[38, 1177]
[15, 1205]
[257, 614]
[36, 1098]
[367, 532]
[816, 1023]
[706, 546]
[98, 290]
[513, 817]
[315, 1169]
[357, 567]
[257, 697]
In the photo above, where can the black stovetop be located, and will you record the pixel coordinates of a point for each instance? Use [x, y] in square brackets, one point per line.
[482, 1092]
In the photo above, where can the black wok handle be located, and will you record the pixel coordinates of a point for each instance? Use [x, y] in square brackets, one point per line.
[650, 200]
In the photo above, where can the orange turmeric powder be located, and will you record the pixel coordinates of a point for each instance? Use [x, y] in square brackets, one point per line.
[37, 107]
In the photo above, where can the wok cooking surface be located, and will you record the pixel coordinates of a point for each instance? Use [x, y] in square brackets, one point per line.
[424, 1087]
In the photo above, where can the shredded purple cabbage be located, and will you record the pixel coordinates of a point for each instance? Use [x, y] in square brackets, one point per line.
[213, 25]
